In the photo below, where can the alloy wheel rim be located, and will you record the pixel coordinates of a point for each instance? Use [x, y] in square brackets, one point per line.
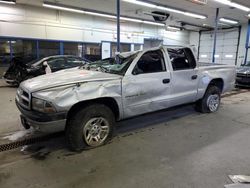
[213, 102]
[95, 131]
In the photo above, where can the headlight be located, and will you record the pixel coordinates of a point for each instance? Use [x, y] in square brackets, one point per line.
[42, 106]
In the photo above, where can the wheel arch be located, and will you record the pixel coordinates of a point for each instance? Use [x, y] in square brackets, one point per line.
[218, 82]
[108, 101]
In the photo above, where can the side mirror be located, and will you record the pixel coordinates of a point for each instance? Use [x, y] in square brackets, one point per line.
[45, 64]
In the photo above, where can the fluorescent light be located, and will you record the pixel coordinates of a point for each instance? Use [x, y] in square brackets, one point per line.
[99, 14]
[8, 2]
[131, 19]
[203, 56]
[58, 7]
[229, 56]
[153, 23]
[216, 56]
[233, 4]
[141, 21]
[173, 28]
[195, 15]
[169, 9]
[63, 8]
[226, 20]
[151, 5]
[248, 15]
[241, 7]
[141, 3]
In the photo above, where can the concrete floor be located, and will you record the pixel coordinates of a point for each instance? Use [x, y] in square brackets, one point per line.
[178, 148]
[9, 114]
[3, 69]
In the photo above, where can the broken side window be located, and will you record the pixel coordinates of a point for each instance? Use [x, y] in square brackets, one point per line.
[150, 62]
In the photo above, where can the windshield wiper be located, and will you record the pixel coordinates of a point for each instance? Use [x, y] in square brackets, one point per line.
[103, 69]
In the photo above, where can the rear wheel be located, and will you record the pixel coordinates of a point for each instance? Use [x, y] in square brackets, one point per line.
[91, 127]
[210, 102]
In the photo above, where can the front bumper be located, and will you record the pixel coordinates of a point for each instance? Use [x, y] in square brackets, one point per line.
[243, 81]
[42, 122]
[9, 81]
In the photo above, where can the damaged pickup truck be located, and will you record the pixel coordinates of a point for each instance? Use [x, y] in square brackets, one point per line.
[87, 101]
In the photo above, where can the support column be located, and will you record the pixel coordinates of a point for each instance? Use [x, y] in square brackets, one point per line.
[37, 50]
[118, 25]
[247, 41]
[61, 48]
[215, 33]
[11, 49]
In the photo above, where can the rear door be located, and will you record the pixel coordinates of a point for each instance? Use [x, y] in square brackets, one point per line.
[184, 76]
[145, 87]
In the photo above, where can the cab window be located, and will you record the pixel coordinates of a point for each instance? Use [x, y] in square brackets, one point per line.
[181, 58]
[150, 62]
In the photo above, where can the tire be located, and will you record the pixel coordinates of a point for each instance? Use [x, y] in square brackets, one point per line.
[85, 125]
[210, 102]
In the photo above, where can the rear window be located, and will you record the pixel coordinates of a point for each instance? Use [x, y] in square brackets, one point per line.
[181, 58]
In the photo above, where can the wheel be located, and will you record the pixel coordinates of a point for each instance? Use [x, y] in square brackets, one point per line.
[90, 127]
[210, 102]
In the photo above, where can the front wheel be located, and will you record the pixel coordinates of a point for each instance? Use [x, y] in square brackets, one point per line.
[210, 102]
[91, 127]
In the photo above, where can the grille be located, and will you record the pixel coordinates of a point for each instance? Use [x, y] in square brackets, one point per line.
[243, 75]
[23, 98]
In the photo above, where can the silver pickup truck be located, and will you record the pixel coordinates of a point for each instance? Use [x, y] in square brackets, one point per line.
[87, 101]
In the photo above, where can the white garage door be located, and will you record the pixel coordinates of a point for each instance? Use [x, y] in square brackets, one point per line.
[226, 47]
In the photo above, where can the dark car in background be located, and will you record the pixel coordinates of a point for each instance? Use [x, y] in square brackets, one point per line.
[243, 75]
[21, 70]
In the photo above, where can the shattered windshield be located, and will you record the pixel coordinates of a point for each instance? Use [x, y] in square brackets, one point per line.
[114, 65]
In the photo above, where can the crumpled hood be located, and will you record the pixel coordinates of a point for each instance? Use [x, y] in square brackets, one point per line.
[243, 70]
[64, 77]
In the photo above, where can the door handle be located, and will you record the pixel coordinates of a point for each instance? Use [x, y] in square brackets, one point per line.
[194, 77]
[165, 81]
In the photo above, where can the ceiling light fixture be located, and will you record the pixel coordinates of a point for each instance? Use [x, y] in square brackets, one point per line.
[141, 21]
[8, 2]
[229, 56]
[99, 14]
[168, 9]
[150, 5]
[70, 9]
[173, 28]
[63, 8]
[204, 56]
[226, 20]
[233, 4]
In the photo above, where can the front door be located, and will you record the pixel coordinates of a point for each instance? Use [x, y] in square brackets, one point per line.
[147, 89]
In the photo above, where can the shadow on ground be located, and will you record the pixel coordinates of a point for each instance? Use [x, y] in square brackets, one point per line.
[124, 128]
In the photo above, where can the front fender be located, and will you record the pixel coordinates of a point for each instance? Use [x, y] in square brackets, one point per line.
[63, 98]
